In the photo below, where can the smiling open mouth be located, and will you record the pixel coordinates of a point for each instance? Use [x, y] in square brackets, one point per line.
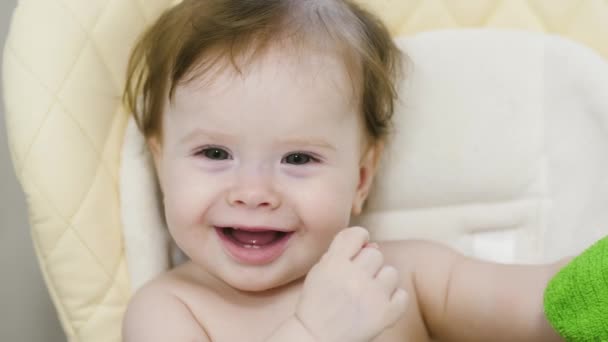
[253, 239]
[257, 246]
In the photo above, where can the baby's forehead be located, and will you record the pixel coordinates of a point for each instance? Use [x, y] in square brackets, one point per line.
[313, 77]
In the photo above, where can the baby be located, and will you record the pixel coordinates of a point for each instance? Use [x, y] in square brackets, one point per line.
[266, 120]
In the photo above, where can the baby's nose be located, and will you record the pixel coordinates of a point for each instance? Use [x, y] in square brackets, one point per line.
[253, 198]
[254, 192]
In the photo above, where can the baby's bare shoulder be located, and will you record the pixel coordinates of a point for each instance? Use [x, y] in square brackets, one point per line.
[158, 311]
[422, 273]
[417, 255]
[176, 283]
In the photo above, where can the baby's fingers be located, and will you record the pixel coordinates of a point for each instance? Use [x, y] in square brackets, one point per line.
[370, 260]
[348, 242]
[388, 279]
[398, 305]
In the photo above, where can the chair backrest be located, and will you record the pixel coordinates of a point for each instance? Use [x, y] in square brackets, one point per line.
[501, 147]
[63, 70]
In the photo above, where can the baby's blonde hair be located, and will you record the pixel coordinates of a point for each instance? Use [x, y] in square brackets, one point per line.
[193, 38]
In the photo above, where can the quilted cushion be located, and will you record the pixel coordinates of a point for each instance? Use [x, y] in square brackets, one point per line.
[63, 69]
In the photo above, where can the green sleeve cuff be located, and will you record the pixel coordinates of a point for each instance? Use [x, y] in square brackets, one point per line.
[576, 299]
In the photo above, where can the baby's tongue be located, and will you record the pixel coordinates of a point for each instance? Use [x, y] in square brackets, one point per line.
[254, 238]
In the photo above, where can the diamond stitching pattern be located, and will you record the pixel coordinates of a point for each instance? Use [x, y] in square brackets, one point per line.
[57, 102]
[567, 17]
[111, 274]
[114, 283]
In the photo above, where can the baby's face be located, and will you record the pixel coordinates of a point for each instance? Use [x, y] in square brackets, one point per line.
[277, 153]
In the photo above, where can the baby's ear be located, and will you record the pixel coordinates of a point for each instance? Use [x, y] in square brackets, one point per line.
[367, 169]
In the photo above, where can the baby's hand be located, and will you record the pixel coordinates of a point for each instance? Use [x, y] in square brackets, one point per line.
[350, 295]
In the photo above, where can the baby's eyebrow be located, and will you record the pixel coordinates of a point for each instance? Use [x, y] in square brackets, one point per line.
[198, 132]
[307, 142]
[294, 141]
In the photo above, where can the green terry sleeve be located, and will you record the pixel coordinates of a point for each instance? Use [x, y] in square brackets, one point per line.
[576, 299]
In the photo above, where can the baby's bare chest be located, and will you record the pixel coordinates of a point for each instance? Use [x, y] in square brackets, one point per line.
[260, 327]
[244, 320]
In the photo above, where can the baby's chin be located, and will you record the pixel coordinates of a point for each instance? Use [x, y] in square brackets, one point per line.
[258, 283]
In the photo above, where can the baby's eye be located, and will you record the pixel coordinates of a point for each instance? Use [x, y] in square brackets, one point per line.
[214, 153]
[299, 159]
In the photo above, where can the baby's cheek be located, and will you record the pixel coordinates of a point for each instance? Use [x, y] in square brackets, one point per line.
[177, 210]
[184, 185]
[183, 204]
[329, 209]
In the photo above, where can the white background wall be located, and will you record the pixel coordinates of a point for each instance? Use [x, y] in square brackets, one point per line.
[26, 312]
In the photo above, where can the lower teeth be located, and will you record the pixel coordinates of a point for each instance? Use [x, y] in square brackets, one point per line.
[228, 232]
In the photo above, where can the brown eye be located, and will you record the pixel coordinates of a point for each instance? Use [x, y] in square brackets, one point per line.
[215, 153]
[298, 159]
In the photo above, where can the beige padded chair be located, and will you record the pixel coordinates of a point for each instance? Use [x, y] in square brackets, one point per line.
[64, 65]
